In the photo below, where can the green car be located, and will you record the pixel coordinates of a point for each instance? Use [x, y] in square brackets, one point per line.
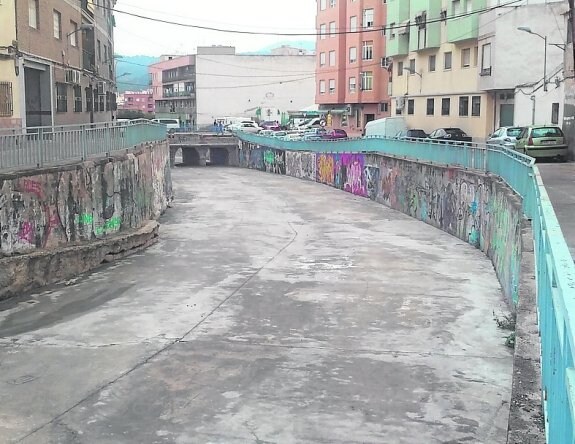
[542, 141]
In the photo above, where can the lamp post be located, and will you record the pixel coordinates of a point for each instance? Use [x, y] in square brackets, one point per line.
[412, 71]
[528, 30]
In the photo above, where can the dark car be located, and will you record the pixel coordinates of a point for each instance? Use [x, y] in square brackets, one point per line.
[411, 134]
[334, 134]
[269, 125]
[449, 135]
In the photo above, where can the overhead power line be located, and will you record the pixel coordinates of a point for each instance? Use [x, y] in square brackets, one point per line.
[315, 34]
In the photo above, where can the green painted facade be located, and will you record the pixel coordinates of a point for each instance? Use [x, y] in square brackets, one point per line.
[420, 39]
[465, 28]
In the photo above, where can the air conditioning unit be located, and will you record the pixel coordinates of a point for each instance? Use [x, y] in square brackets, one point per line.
[421, 19]
[404, 29]
[386, 62]
[443, 15]
[73, 76]
[101, 88]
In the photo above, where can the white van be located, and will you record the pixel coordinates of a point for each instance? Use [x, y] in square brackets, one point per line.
[386, 127]
[171, 124]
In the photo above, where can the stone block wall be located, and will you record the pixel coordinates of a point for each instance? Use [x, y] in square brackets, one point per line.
[477, 208]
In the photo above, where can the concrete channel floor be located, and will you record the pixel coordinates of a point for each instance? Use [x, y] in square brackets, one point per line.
[273, 310]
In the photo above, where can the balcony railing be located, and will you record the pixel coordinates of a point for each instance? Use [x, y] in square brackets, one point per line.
[169, 94]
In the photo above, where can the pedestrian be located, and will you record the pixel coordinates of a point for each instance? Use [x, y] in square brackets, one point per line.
[221, 128]
[215, 126]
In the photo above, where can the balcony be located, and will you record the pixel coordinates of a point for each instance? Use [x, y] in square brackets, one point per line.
[465, 28]
[176, 94]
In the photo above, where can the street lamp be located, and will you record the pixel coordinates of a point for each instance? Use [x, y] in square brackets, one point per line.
[528, 30]
[82, 27]
[413, 71]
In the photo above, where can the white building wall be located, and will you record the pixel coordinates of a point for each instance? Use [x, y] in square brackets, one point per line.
[516, 56]
[236, 85]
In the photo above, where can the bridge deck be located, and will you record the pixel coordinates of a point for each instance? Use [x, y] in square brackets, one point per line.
[273, 310]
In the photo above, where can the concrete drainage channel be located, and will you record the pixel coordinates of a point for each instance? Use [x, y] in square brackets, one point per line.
[56, 223]
[478, 208]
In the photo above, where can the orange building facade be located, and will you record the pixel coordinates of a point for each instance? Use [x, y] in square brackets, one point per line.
[351, 71]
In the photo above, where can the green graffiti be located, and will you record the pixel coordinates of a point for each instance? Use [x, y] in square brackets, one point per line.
[269, 157]
[84, 219]
[110, 226]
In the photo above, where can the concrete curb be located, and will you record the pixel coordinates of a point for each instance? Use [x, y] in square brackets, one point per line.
[526, 422]
[26, 272]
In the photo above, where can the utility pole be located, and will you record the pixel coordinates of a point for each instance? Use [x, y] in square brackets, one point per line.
[572, 21]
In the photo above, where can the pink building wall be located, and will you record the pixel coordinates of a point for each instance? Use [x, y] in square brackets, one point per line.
[138, 101]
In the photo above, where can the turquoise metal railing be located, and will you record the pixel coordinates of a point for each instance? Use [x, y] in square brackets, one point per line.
[39, 146]
[555, 270]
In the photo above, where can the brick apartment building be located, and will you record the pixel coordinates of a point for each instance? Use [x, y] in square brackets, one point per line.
[142, 101]
[56, 62]
[351, 71]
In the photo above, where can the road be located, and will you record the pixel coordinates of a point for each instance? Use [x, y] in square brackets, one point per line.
[271, 310]
[559, 180]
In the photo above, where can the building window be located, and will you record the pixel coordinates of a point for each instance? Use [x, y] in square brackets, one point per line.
[332, 86]
[466, 57]
[486, 59]
[332, 58]
[431, 63]
[77, 99]
[475, 56]
[476, 106]
[6, 99]
[367, 81]
[463, 106]
[430, 107]
[383, 107]
[322, 86]
[321, 58]
[352, 84]
[61, 97]
[322, 5]
[352, 54]
[410, 107]
[108, 101]
[368, 18]
[322, 30]
[73, 33]
[57, 24]
[332, 3]
[353, 23]
[555, 113]
[102, 99]
[332, 30]
[412, 66]
[367, 50]
[89, 99]
[399, 69]
[445, 106]
[33, 14]
[99, 51]
[447, 60]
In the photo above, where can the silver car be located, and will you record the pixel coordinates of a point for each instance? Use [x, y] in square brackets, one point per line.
[505, 136]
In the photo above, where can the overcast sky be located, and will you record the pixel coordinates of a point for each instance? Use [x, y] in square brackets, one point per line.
[134, 36]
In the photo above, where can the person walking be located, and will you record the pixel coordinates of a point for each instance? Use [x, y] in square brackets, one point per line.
[215, 126]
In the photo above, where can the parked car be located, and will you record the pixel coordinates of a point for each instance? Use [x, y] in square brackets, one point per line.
[267, 133]
[316, 122]
[334, 134]
[505, 136]
[247, 126]
[542, 141]
[445, 135]
[411, 134]
[269, 125]
[278, 134]
[171, 124]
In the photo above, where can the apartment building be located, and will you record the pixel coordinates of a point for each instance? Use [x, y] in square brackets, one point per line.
[436, 59]
[142, 101]
[351, 70]
[56, 62]
[216, 82]
[514, 61]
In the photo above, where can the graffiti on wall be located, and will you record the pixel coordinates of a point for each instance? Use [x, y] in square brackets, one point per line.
[54, 208]
[274, 161]
[301, 165]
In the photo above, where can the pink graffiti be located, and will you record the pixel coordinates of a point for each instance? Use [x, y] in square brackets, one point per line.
[32, 187]
[52, 221]
[26, 232]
